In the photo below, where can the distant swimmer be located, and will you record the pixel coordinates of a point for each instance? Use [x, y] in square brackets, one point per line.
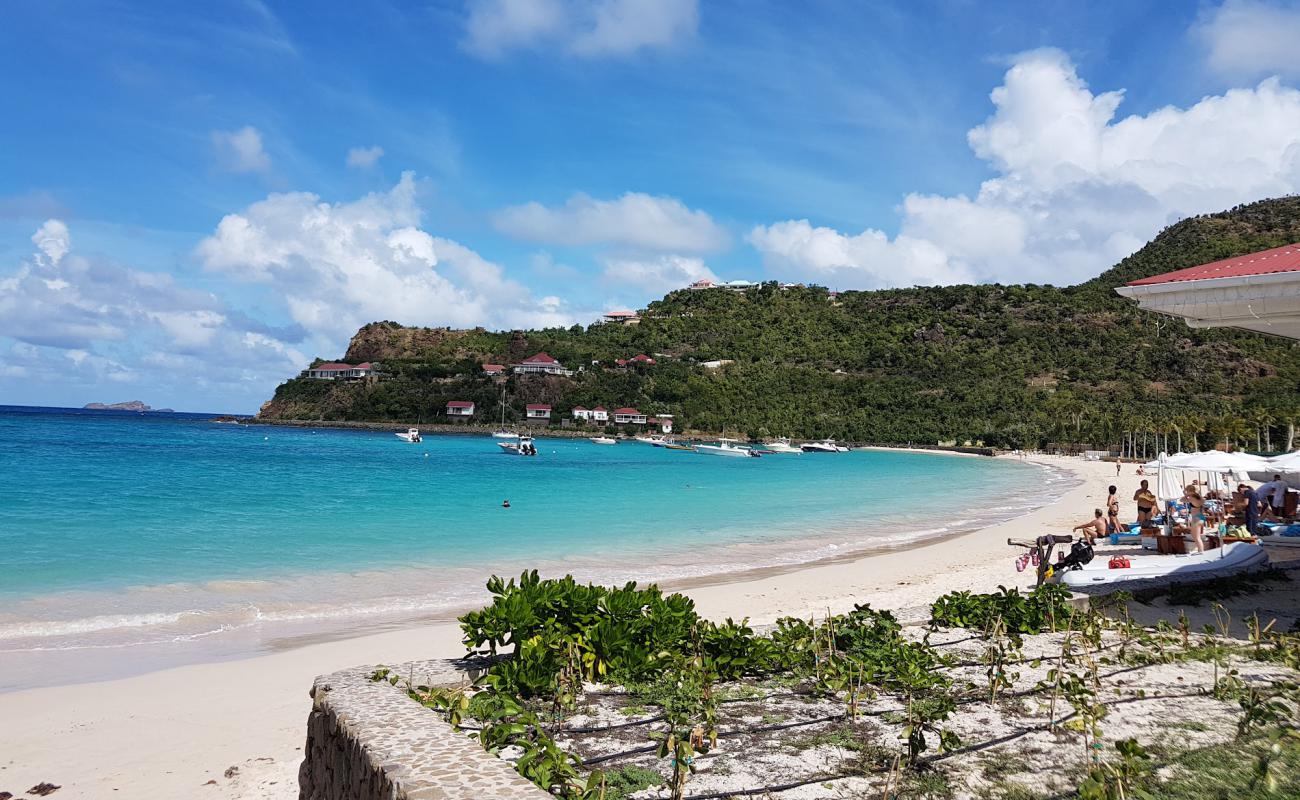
[505, 504]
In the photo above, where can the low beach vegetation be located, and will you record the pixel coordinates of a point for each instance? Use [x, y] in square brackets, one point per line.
[598, 692]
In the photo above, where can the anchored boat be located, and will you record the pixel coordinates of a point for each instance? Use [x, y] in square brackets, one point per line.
[725, 447]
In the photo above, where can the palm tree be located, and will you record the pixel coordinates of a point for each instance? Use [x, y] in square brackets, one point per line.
[1262, 420]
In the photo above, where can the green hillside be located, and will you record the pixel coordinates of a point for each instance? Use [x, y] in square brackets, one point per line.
[1017, 366]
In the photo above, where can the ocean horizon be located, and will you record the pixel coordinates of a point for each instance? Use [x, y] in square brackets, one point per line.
[158, 539]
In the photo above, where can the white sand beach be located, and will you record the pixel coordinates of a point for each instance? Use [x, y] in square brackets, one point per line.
[235, 729]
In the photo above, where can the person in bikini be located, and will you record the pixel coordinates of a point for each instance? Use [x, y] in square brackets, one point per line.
[1146, 502]
[1112, 511]
[1195, 516]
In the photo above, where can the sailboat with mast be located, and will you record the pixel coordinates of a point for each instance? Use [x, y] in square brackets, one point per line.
[501, 432]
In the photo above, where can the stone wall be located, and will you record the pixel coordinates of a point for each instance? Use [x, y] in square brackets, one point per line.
[366, 740]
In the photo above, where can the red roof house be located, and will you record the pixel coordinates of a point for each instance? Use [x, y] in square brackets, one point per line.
[494, 369]
[626, 416]
[335, 370]
[537, 411]
[460, 408]
[540, 363]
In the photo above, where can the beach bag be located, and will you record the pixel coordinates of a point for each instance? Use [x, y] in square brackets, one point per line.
[1119, 562]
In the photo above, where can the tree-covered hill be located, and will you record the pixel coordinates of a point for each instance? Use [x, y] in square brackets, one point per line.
[1020, 365]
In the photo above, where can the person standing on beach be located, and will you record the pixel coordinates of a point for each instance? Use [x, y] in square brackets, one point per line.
[1118, 466]
[1273, 493]
[1252, 510]
[1112, 510]
[1146, 502]
[1093, 529]
[1195, 516]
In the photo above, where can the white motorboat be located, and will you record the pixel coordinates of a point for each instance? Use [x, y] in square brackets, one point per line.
[657, 441]
[523, 447]
[726, 447]
[782, 445]
[504, 434]
[1232, 558]
[603, 440]
[412, 436]
[824, 446]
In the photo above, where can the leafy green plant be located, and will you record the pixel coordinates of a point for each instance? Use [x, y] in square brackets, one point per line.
[1119, 779]
[1040, 610]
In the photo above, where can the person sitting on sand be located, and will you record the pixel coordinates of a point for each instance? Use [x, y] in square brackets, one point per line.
[1094, 529]
[1146, 502]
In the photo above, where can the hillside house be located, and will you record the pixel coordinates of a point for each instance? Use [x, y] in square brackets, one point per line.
[629, 416]
[460, 408]
[337, 371]
[537, 411]
[494, 369]
[540, 364]
[703, 283]
[582, 414]
[622, 317]
[599, 414]
[640, 358]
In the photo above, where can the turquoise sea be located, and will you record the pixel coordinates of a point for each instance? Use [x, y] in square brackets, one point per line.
[182, 539]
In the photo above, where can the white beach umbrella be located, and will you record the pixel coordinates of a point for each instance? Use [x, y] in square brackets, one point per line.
[1287, 462]
[1169, 482]
[1218, 461]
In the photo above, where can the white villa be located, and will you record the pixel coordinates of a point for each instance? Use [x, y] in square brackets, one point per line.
[622, 317]
[537, 411]
[599, 414]
[342, 372]
[629, 416]
[540, 364]
[460, 408]
[582, 413]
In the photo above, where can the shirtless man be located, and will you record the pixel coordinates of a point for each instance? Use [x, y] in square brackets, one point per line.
[1094, 529]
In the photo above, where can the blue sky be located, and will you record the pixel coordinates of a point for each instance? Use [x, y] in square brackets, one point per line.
[195, 199]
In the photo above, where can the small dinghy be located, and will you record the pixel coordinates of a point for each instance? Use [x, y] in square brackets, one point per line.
[1232, 558]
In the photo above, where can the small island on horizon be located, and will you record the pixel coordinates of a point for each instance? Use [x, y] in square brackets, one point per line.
[129, 405]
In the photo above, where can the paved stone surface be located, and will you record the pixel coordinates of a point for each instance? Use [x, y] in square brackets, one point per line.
[366, 740]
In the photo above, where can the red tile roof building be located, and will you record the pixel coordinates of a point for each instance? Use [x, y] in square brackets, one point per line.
[336, 370]
[542, 363]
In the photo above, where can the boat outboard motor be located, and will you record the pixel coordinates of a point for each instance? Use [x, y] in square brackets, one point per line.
[1080, 554]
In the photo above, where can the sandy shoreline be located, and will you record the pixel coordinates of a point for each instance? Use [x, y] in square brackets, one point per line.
[167, 733]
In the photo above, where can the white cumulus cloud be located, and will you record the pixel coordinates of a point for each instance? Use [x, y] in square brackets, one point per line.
[1076, 189]
[53, 240]
[655, 275]
[364, 157]
[660, 224]
[341, 265]
[583, 28]
[241, 150]
[79, 322]
[1251, 38]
